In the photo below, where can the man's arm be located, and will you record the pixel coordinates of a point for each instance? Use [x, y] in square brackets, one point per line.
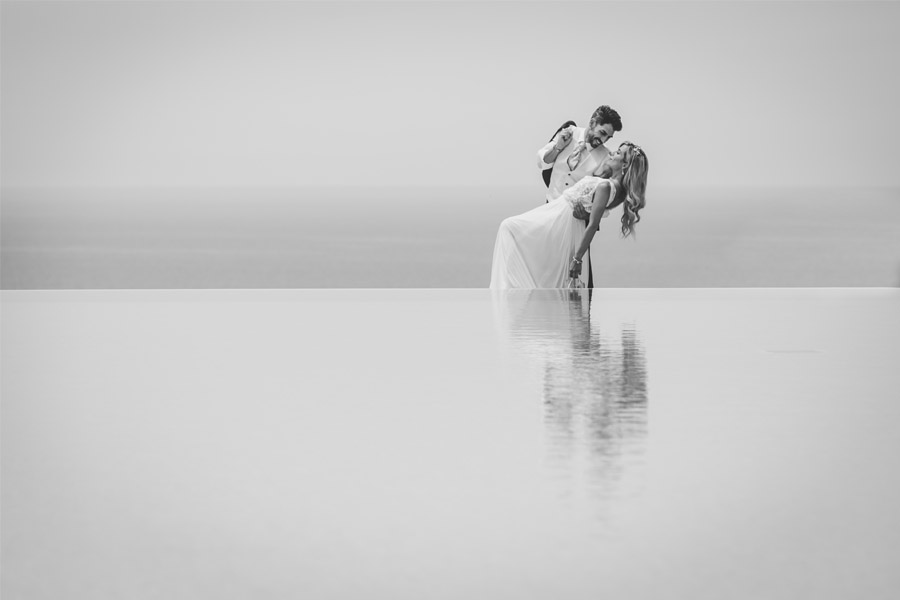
[548, 154]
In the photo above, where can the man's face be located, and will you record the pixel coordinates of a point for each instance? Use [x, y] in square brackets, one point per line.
[598, 134]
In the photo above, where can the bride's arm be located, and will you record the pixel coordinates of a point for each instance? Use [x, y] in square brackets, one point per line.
[601, 199]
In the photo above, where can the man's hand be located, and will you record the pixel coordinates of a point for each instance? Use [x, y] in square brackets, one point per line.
[563, 138]
[579, 212]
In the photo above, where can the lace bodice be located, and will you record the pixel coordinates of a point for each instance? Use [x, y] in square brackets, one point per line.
[583, 193]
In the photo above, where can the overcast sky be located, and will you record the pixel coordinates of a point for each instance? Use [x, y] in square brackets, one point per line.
[377, 93]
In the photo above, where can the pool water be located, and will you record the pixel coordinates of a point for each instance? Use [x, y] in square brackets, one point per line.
[638, 443]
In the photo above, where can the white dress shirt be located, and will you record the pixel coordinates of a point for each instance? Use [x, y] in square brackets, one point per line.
[562, 177]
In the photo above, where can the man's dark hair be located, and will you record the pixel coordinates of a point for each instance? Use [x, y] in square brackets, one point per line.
[604, 115]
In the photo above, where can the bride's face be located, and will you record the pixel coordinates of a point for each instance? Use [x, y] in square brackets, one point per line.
[616, 159]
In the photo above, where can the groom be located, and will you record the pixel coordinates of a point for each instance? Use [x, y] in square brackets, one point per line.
[575, 152]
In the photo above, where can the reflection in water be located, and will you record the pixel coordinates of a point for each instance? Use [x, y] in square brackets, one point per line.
[594, 380]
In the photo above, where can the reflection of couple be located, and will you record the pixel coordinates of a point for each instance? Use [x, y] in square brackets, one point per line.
[545, 247]
[594, 387]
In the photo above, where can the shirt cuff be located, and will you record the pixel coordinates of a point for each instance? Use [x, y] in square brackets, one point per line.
[540, 156]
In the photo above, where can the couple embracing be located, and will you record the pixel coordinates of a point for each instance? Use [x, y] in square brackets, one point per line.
[547, 247]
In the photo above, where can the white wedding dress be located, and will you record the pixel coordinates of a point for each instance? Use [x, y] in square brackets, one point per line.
[534, 249]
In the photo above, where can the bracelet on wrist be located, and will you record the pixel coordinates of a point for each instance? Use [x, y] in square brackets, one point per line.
[576, 260]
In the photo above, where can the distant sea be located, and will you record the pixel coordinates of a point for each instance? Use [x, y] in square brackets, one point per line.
[341, 237]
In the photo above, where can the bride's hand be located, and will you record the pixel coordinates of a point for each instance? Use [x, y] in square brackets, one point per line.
[574, 268]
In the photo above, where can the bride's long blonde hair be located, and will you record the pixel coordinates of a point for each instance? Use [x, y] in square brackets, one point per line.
[634, 180]
[631, 193]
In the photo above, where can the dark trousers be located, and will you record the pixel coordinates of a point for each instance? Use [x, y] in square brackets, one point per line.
[591, 272]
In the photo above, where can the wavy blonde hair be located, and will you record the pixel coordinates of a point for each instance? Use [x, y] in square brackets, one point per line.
[634, 182]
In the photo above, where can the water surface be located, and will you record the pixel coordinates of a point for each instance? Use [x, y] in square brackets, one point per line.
[450, 443]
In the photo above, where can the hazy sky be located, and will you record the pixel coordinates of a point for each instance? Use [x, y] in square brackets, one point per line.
[377, 93]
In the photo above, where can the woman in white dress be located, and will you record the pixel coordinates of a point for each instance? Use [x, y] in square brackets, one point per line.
[543, 248]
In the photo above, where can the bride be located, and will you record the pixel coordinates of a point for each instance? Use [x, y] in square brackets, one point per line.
[544, 247]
